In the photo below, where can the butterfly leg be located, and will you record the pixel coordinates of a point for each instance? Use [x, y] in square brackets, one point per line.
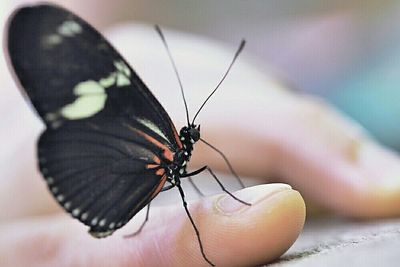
[226, 161]
[218, 181]
[196, 188]
[192, 222]
[168, 187]
[223, 187]
[141, 227]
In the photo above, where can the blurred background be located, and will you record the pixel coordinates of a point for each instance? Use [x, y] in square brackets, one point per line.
[347, 52]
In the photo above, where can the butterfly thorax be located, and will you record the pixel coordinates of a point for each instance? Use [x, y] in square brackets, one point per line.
[189, 135]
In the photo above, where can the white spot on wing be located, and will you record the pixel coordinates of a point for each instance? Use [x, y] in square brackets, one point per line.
[102, 222]
[76, 212]
[123, 73]
[52, 40]
[122, 68]
[67, 205]
[108, 81]
[89, 87]
[91, 94]
[51, 116]
[152, 127]
[69, 28]
[94, 221]
[55, 125]
[91, 99]
[50, 180]
[84, 216]
[122, 80]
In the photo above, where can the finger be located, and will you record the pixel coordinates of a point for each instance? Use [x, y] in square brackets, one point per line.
[232, 235]
[326, 156]
[353, 174]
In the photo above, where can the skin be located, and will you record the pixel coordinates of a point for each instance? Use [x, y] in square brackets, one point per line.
[298, 139]
[168, 239]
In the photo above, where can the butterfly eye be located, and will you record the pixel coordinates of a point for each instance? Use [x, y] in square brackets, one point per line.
[183, 130]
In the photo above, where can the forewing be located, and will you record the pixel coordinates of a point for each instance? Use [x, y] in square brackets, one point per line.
[70, 72]
[102, 173]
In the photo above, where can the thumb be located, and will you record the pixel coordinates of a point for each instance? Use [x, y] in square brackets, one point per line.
[232, 234]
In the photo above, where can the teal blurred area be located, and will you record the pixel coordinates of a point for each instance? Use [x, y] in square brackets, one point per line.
[372, 97]
[370, 92]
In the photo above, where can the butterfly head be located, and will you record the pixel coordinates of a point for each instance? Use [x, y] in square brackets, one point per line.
[190, 134]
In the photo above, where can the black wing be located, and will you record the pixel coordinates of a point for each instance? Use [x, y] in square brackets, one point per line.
[69, 71]
[103, 172]
[107, 136]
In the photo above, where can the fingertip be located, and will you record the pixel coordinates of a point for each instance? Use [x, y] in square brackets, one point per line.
[269, 227]
[248, 236]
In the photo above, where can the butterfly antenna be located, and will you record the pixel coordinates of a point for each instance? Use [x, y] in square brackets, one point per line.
[158, 29]
[239, 50]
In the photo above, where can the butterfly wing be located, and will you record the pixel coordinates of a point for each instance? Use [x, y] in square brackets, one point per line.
[70, 72]
[102, 173]
[107, 136]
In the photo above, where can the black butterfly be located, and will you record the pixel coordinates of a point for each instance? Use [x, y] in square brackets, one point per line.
[109, 147]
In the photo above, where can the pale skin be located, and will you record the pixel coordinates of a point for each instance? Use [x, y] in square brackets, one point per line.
[264, 130]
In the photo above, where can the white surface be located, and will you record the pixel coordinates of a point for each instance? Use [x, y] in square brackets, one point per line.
[337, 242]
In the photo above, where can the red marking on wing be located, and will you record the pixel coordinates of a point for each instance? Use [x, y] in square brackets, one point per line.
[160, 185]
[155, 165]
[152, 166]
[177, 138]
[160, 172]
[167, 152]
[157, 160]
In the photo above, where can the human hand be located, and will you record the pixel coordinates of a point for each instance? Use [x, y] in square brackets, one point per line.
[252, 236]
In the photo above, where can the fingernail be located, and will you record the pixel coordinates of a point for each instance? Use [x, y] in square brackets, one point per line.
[227, 205]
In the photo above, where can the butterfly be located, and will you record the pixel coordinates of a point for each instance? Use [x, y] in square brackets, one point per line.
[109, 146]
